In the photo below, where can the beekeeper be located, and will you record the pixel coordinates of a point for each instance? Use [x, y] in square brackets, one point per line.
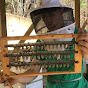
[54, 18]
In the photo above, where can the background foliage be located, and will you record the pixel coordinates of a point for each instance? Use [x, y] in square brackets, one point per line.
[23, 7]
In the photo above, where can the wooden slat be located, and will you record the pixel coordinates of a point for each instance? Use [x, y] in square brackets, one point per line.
[78, 57]
[44, 73]
[41, 37]
[4, 60]
[85, 23]
[77, 13]
[28, 32]
[3, 31]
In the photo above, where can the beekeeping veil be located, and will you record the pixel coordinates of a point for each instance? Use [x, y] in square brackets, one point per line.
[50, 6]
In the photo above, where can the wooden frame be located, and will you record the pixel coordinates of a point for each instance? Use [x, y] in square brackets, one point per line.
[5, 61]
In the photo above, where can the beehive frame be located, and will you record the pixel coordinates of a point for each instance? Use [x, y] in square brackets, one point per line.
[5, 60]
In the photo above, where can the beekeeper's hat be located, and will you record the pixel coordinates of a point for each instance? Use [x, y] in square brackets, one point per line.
[38, 22]
[51, 4]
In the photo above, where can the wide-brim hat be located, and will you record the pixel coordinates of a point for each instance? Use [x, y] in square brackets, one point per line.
[50, 4]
